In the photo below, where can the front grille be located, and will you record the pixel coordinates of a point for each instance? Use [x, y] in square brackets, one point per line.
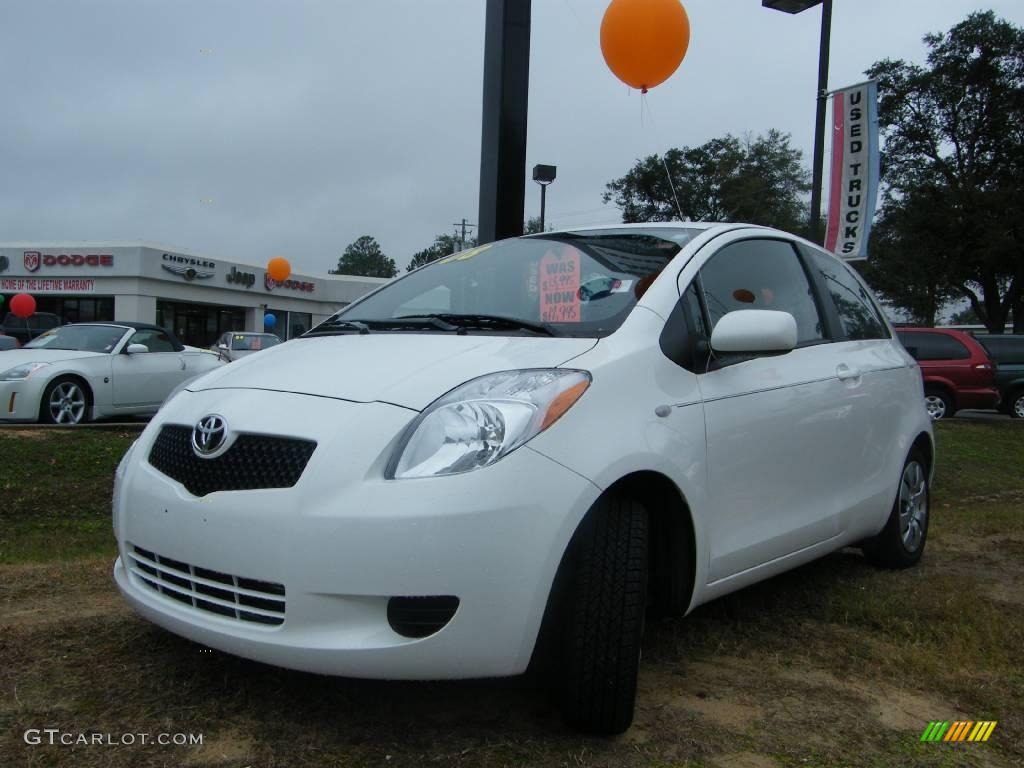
[253, 461]
[260, 602]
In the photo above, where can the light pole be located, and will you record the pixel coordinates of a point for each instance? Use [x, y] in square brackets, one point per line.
[798, 6]
[543, 175]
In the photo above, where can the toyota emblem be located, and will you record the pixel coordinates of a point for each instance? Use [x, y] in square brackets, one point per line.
[209, 436]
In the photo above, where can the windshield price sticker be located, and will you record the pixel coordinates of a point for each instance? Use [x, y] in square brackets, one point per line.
[560, 286]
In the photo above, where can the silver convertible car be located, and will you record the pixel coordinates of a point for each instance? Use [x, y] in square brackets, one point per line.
[88, 371]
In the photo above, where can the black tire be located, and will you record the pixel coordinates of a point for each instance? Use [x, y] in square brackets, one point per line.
[1015, 405]
[607, 597]
[939, 403]
[77, 414]
[895, 547]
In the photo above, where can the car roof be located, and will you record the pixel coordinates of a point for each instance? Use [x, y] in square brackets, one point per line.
[127, 324]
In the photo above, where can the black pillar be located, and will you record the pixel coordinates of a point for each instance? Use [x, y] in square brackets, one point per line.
[503, 140]
[819, 123]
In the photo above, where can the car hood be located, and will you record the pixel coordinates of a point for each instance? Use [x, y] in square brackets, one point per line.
[406, 369]
[15, 357]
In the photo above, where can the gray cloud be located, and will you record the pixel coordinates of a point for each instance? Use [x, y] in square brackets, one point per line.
[312, 123]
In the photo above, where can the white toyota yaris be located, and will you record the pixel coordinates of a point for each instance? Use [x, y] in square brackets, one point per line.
[524, 447]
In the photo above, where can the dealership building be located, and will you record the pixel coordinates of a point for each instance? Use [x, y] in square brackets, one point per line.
[196, 296]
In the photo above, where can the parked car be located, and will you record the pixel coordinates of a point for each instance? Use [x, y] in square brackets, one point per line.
[7, 342]
[518, 474]
[24, 329]
[233, 346]
[1007, 352]
[956, 369]
[88, 371]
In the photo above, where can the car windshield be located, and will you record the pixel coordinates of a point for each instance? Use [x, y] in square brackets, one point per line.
[563, 284]
[250, 343]
[83, 338]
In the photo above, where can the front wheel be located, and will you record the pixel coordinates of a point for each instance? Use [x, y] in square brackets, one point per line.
[64, 402]
[1017, 404]
[605, 620]
[901, 542]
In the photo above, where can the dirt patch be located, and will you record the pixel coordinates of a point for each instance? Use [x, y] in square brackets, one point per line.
[894, 708]
[743, 760]
[230, 747]
[41, 593]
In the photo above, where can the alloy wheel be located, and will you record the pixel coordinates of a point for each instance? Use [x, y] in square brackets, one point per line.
[936, 406]
[913, 506]
[1018, 407]
[67, 403]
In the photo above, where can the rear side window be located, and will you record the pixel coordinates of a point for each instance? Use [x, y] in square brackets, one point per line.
[1004, 350]
[934, 346]
[858, 314]
[761, 274]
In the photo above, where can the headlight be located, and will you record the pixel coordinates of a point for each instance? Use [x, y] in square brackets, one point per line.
[479, 422]
[22, 371]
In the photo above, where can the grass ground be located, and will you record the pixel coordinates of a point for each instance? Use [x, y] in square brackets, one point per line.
[833, 664]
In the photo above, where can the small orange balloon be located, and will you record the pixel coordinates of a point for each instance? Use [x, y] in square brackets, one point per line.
[278, 268]
[644, 41]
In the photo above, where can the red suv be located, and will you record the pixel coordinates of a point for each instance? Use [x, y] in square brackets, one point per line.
[956, 369]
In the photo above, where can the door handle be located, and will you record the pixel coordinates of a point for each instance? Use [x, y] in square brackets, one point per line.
[846, 373]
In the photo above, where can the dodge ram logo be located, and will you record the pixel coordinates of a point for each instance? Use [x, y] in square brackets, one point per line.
[209, 436]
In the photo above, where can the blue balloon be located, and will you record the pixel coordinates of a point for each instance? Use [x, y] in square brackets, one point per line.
[269, 321]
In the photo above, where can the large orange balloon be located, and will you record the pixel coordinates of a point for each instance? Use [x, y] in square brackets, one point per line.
[278, 268]
[644, 41]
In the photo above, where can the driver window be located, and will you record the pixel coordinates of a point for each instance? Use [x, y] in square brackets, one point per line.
[153, 340]
[761, 274]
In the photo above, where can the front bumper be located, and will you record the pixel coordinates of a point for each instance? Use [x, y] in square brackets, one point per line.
[19, 400]
[344, 540]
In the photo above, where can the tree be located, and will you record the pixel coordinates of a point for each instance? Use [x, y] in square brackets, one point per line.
[760, 180]
[907, 263]
[443, 246]
[953, 163]
[532, 226]
[364, 257]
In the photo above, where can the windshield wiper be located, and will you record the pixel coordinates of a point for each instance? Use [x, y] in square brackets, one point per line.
[333, 326]
[462, 322]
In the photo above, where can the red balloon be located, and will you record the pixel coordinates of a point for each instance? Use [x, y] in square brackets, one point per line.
[23, 305]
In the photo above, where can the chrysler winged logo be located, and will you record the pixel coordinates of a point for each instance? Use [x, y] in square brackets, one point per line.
[209, 436]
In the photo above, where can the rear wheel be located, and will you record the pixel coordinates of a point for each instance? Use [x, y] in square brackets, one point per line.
[938, 403]
[901, 542]
[605, 616]
[65, 401]
[1017, 404]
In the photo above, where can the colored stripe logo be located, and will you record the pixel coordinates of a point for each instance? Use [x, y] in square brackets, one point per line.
[959, 730]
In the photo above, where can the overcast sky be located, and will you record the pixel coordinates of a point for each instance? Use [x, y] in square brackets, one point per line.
[312, 123]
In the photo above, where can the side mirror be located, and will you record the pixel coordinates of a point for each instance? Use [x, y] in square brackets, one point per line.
[136, 349]
[754, 330]
[222, 346]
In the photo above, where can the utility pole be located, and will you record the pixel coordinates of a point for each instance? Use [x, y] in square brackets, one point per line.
[463, 224]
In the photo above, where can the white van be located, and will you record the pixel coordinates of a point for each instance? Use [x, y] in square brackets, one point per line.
[542, 437]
